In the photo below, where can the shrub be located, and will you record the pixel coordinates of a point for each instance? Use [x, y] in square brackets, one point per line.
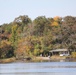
[74, 54]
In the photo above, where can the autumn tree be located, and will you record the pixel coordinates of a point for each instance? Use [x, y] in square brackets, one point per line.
[24, 47]
[14, 36]
[22, 21]
[6, 49]
[40, 23]
[68, 30]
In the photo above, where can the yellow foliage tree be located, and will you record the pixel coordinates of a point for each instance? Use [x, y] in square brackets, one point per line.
[56, 18]
[56, 21]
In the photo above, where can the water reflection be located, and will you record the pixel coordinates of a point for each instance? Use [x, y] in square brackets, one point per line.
[40, 68]
[44, 73]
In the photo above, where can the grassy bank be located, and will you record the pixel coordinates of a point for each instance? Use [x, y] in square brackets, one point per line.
[55, 57]
[8, 60]
[36, 59]
[39, 59]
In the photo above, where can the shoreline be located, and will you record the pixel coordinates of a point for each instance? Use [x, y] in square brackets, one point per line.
[8, 60]
[38, 59]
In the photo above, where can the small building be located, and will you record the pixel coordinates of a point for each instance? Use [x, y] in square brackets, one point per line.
[60, 52]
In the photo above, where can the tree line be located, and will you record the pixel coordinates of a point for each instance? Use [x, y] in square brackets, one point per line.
[24, 37]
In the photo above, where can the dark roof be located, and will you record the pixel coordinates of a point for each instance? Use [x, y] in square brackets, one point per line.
[58, 50]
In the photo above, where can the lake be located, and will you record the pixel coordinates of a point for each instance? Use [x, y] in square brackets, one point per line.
[38, 68]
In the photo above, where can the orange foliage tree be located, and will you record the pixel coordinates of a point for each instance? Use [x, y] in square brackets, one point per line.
[56, 21]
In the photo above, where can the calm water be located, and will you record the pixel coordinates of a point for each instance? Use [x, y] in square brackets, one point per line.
[40, 68]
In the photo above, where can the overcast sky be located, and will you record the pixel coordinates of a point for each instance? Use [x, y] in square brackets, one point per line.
[10, 9]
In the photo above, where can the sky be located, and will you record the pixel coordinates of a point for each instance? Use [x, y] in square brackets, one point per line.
[10, 9]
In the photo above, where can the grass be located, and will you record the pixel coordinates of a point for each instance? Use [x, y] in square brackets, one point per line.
[8, 60]
[55, 57]
[40, 59]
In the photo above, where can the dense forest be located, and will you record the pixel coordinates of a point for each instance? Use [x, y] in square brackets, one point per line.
[24, 37]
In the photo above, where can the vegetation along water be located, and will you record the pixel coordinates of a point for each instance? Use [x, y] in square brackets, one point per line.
[24, 38]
